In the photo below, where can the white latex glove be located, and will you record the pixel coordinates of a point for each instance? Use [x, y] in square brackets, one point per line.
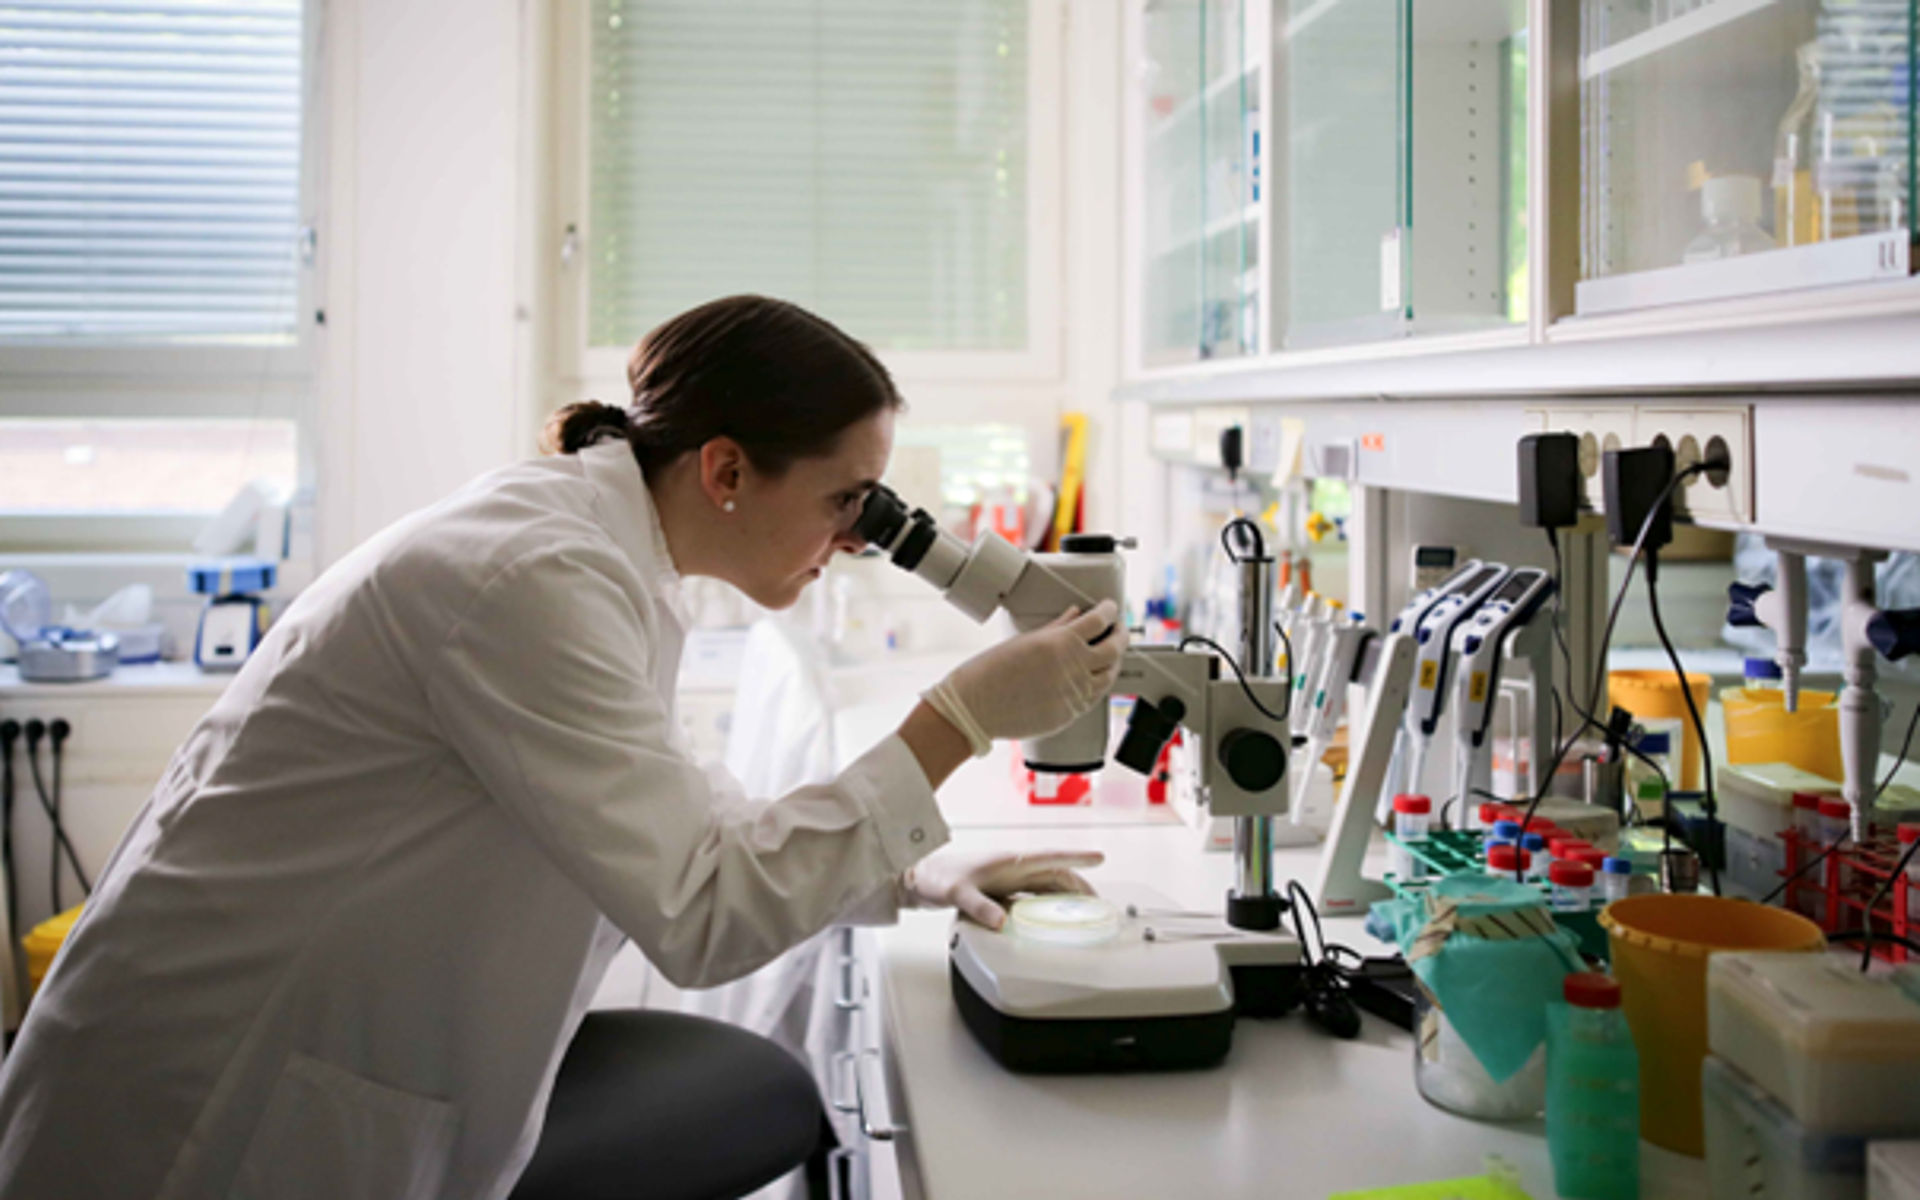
[1036, 683]
[974, 882]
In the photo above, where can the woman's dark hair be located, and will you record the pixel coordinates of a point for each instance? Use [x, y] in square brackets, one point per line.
[768, 374]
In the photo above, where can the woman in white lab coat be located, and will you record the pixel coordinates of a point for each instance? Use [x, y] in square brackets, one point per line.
[347, 939]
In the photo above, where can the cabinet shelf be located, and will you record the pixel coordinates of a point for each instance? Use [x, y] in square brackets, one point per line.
[1668, 34]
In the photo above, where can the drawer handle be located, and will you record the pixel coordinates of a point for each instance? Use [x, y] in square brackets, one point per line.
[877, 1133]
[845, 1068]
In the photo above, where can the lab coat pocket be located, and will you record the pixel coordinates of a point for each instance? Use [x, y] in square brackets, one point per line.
[328, 1134]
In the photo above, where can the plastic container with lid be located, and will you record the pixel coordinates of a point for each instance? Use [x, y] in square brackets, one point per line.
[1507, 831]
[1410, 817]
[1535, 844]
[1759, 729]
[1566, 847]
[1616, 879]
[1758, 797]
[1838, 1048]
[1505, 858]
[1657, 694]
[1572, 886]
[1756, 1148]
[1592, 856]
[1593, 1093]
[1730, 206]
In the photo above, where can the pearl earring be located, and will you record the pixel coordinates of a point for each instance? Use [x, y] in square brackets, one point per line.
[727, 507]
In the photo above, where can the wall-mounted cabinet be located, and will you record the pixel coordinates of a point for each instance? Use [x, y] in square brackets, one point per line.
[1333, 191]
[1733, 147]
[1400, 181]
[1198, 96]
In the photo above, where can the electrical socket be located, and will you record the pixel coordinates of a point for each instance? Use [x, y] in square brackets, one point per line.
[1599, 430]
[1689, 431]
[1695, 434]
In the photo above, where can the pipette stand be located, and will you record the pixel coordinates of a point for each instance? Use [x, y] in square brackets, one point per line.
[1338, 886]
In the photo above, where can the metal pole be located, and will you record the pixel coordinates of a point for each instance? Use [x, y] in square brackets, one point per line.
[1253, 836]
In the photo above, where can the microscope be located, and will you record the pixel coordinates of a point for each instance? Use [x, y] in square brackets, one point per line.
[1126, 981]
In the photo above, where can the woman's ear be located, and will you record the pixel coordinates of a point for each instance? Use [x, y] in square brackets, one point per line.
[722, 466]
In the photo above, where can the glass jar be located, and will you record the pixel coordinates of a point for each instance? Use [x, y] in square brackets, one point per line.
[1450, 1077]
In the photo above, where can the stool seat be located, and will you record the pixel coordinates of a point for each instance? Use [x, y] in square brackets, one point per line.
[667, 1106]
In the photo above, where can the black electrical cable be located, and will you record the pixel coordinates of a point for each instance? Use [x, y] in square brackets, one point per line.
[1253, 532]
[1804, 867]
[1711, 806]
[1196, 640]
[9, 734]
[1855, 935]
[59, 839]
[1606, 637]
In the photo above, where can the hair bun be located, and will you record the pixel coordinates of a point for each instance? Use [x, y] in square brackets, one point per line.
[574, 427]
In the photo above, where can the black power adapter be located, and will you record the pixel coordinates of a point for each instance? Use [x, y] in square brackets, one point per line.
[1634, 482]
[1549, 480]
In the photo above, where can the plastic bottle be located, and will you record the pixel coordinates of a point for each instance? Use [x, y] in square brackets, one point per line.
[1593, 1093]
[1616, 879]
[1763, 674]
[1731, 206]
[1564, 847]
[1410, 817]
[1535, 845]
[1796, 211]
[1572, 886]
[1506, 858]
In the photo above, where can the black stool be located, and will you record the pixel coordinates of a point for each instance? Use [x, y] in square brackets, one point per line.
[666, 1106]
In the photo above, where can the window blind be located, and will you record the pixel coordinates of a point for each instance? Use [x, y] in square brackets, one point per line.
[149, 170]
[864, 158]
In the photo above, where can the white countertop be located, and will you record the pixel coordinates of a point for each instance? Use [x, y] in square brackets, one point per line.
[1291, 1113]
[147, 679]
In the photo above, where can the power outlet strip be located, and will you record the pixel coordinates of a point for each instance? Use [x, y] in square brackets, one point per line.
[1692, 433]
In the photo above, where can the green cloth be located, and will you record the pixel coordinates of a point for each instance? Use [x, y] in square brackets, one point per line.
[1490, 955]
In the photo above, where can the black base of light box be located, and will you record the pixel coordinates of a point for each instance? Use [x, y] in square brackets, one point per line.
[1113, 1046]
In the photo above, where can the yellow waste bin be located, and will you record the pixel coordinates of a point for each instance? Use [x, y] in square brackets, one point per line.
[43, 942]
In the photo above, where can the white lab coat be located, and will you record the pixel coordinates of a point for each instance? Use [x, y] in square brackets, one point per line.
[349, 936]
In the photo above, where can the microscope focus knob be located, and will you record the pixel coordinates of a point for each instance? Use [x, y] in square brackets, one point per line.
[1895, 634]
[1741, 597]
[1255, 760]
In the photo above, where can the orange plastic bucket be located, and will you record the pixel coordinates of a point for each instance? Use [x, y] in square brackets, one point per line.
[1657, 694]
[1660, 946]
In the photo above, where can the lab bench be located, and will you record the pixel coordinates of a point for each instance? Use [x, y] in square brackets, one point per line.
[1292, 1112]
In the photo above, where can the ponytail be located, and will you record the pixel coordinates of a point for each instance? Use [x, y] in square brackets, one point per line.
[574, 427]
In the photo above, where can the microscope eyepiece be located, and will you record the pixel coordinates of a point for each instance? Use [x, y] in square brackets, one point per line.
[882, 517]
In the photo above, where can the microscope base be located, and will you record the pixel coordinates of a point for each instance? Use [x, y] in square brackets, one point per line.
[1130, 1004]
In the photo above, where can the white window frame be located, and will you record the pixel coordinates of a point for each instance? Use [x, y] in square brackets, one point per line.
[105, 381]
[579, 365]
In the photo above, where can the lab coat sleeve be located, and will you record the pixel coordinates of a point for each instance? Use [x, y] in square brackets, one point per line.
[544, 690]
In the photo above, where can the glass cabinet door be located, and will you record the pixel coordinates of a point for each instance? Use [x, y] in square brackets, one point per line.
[1731, 147]
[1201, 294]
[1400, 180]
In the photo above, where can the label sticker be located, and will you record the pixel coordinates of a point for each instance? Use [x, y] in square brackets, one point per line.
[1429, 674]
[1477, 690]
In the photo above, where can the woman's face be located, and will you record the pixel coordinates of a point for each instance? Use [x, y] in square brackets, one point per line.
[794, 522]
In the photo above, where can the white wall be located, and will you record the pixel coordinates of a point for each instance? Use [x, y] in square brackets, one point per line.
[419, 364]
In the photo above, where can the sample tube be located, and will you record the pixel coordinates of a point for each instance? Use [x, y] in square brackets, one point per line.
[1572, 886]
[1410, 817]
[1535, 844]
[1616, 879]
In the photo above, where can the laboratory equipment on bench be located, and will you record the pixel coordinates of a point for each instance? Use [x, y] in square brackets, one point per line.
[235, 618]
[1593, 1093]
[1498, 630]
[1163, 991]
[50, 653]
[1324, 701]
[1408, 621]
[1433, 565]
[1386, 669]
[1865, 632]
[1433, 669]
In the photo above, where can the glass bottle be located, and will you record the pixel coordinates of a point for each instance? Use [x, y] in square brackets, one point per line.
[1796, 215]
[1731, 206]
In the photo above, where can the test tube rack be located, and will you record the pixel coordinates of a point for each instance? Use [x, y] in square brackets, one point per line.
[1837, 892]
[1459, 852]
